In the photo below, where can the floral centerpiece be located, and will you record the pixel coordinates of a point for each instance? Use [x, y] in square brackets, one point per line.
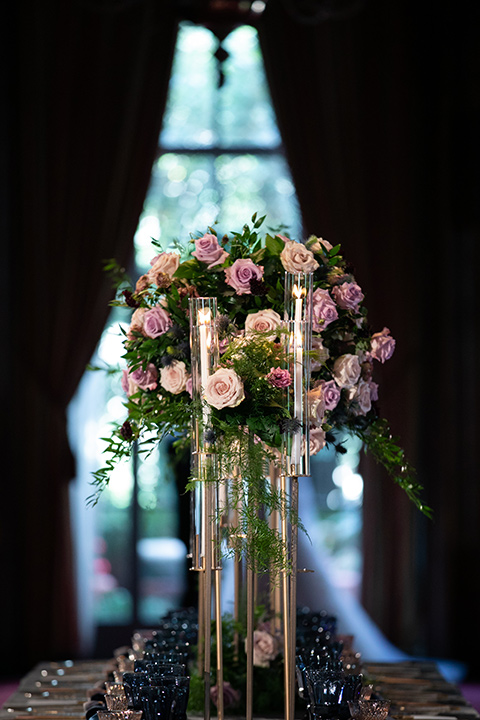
[248, 414]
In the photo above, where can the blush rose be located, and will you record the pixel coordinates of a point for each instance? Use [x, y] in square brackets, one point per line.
[224, 389]
[173, 378]
[296, 258]
[263, 321]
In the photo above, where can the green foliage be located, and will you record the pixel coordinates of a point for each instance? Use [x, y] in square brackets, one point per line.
[251, 433]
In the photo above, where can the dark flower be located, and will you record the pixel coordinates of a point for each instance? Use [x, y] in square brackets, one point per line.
[167, 360]
[176, 331]
[223, 322]
[126, 431]
[210, 436]
[289, 425]
[130, 299]
[258, 287]
[183, 349]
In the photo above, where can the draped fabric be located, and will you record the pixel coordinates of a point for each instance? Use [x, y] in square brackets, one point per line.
[87, 90]
[379, 114]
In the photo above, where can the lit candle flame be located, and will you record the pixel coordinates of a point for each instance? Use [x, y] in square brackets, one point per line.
[299, 292]
[204, 316]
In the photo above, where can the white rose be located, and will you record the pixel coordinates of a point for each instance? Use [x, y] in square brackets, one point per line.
[165, 263]
[297, 258]
[346, 370]
[316, 440]
[224, 389]
[263, 321]
[362, 397]
[174, 377]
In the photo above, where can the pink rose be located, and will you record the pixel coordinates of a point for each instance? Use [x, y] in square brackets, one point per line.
[316, 440]
[145, 379]
[331, 394]
[224, 389]
[324, 310]
[208, 250]
[297, 258]
[348, 295]
[263, 321]
[346, 370]
[265, 648]
[174, 377]
[241, 273]
[156, 322]
[189, 386]
[279, 378]
[382, 345]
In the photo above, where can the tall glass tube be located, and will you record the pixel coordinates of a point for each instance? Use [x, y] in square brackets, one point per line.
[298, 323]
[204, 354]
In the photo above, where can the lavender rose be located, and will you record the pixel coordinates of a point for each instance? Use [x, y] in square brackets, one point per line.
[156, 322]
[382, 345]
[297, 258]
[331, 394]
[145, 379]
[240, 273]
[230, 695]
[263, 321]
[324, 310]
[208, 250]
[348, 295]
[320, 354]
[174, 377]
[265, 648]
[224, 389]
[346, 370]
[279, 378]
[316, 440]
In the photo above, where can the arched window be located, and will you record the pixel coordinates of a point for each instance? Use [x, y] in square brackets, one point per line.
[219, 159]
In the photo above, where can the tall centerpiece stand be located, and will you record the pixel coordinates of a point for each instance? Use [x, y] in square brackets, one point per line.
[209, 498]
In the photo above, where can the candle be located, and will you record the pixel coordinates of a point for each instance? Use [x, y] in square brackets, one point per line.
[298, 294]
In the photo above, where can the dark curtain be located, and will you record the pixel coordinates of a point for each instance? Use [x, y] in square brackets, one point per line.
[379, 112]
[85, 93]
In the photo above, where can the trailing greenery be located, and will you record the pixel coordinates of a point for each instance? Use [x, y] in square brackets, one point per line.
[245, 272]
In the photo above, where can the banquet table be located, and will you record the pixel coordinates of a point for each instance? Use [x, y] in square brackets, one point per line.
[58, 691]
